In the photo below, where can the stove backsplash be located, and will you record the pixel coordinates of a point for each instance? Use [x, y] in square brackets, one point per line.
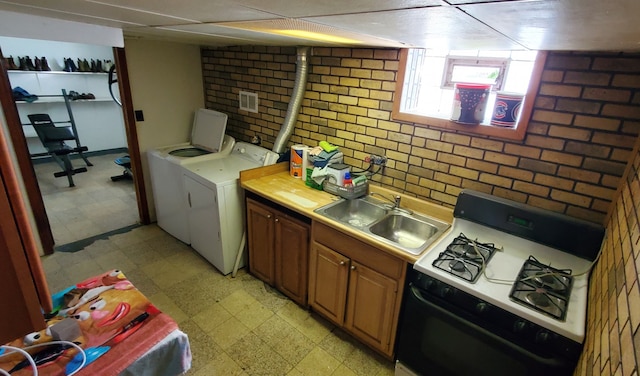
[558, 231]
[612, 345]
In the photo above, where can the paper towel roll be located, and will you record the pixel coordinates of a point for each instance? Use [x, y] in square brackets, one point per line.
[305, 162]
[296, 160]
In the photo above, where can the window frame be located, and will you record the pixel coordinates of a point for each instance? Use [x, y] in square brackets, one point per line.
[452, 61]
[517, 133]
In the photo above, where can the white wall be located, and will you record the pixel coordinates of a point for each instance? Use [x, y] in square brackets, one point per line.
[99, 122]
[167, 85]
[53, 51]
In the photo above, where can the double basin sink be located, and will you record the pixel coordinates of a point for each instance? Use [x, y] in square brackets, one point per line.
[408, 231]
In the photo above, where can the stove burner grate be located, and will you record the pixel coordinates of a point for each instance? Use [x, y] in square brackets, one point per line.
[543, 288]
[465, 258]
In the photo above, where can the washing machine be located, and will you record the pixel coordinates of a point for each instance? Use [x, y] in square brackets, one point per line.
[208, 142]
[215, 203]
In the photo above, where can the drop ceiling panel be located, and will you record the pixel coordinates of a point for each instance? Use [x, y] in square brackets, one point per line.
[565, 25]
[308, 8]
[229, 36]
[194, 10]
[438, 28]
[181, 36]
[89, 12]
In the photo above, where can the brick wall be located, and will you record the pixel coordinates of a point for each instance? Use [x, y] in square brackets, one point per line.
[585, 121]
[612, 345]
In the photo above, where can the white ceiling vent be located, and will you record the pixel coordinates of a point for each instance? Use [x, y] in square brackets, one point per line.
[248, 101]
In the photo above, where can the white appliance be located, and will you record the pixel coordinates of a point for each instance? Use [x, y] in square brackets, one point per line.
[215, 204]
[509, 281]
[208, 142]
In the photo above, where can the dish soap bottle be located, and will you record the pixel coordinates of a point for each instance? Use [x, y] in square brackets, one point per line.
[347, 180]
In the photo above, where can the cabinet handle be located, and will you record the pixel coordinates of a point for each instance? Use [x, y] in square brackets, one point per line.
[268, 216]
[277, 220]
[353, 267]
[342, 263]
[189, 198]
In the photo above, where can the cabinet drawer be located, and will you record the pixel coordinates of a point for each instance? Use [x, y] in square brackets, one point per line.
[359, 251]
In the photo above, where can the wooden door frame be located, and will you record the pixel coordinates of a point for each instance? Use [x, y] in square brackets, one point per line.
[21, 150]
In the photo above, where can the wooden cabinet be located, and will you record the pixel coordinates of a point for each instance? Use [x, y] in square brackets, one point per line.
[356, 286]
[278, 249]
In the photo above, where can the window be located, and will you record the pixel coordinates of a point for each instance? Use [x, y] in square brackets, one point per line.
[426, 86]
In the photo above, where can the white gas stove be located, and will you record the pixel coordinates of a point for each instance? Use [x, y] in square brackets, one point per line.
[501, 272]
[504, 292]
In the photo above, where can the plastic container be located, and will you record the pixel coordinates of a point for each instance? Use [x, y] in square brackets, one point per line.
[470, 103]
[347, 180]
[346, 192]
[507, 109]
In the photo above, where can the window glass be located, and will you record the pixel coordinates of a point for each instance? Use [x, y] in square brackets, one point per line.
[426, 91]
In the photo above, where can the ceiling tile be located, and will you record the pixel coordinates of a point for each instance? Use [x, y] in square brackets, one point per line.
[194, 10]
[309, 8]
[565, 25]
[437, 28]
[229, 36]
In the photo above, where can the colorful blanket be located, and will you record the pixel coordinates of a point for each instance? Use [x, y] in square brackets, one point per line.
[105, 315]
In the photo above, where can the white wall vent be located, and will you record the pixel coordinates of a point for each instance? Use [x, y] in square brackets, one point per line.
[248, 101]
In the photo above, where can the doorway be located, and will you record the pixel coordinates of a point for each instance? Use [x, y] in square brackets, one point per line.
[96, 204]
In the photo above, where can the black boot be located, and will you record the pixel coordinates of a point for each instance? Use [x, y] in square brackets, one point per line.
[29, 63]
[23, 64]
[45, 64]
[38, 64]
[72, 66]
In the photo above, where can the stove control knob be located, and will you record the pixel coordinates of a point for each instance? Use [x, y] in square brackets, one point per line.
[446, 292]
[542, 336]
[519, 326]
[482, 308]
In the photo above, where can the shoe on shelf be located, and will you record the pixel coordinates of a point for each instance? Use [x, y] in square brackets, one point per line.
[29, 63]
[38, 64]
[23, 64]
[73, 95]
[69, 66]
[45, 64]
[10, 63]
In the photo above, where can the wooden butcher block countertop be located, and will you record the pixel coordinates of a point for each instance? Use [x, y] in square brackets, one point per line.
[277, 185]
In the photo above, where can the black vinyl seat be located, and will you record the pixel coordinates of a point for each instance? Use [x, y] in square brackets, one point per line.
[54, 139]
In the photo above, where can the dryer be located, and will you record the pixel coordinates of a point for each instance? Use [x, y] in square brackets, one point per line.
[208, 142]
[215, 203]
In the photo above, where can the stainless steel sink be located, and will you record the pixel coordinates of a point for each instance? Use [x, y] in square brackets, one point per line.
[357, 213]
[410, 232]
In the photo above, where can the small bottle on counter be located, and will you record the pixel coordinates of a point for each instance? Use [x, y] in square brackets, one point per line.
[347, 180]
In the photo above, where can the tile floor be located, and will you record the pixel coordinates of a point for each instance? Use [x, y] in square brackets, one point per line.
[94, 206]
[236, 326]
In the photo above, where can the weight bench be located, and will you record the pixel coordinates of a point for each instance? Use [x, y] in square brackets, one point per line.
[53, 139]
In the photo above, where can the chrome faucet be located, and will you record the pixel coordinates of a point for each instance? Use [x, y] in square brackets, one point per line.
[396, 199]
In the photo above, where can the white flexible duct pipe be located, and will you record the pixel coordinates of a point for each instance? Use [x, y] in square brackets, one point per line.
[295, 102]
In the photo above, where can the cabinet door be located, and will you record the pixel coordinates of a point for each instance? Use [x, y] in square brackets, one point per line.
[204, 221]
[328, 273]
[291, 251]
[260, 237]
[371, 306]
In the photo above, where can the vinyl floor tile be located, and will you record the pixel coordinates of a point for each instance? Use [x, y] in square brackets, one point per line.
[236, 326]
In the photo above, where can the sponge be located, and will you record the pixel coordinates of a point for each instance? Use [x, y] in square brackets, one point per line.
[327, 146]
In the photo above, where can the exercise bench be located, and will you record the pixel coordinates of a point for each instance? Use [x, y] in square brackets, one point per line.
[53, 139]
